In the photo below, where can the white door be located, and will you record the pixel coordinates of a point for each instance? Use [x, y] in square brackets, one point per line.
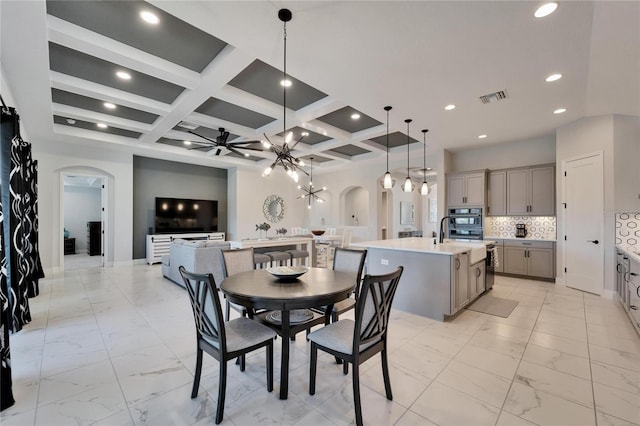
[584, 223]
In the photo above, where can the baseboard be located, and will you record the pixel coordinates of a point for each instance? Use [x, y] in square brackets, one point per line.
[608, 294]
[140, 261]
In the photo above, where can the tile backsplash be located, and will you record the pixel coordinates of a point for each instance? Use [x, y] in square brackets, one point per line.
[543, 227]
[628, 229]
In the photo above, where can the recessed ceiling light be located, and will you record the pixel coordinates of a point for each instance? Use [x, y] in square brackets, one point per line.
[285, 83]
[123, 75]
[355, 116]
[246, 154]
[71, 121]
[546, 9]
[560, 111]
[482, 136]
[187, 142]
[102, 125]
[109, 105]
[149, 17]
[553, 77]
[450, 107]
[305, 133]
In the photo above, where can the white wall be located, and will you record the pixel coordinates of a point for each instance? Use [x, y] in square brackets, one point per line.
[587, 136]
[82, 204]
[626, 135]
[515, 154]
[247, 193]
[116, 166]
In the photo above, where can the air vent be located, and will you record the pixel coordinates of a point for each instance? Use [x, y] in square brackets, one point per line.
[494, 97]
[187, 125]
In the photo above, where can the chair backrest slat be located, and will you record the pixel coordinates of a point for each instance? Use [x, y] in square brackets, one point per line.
[205, 304]
[352, 261]
[235, 261]
[373, 307]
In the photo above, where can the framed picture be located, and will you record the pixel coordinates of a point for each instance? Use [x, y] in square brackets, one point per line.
[433, 210]
[407, 213]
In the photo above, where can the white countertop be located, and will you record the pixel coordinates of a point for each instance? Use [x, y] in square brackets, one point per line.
[521, 239]
[632, 253]
[422, 245]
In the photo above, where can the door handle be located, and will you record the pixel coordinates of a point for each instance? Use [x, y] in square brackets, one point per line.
[593, 241]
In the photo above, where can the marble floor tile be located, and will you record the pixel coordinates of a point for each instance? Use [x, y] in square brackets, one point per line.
[508, 331]
[555, 382]
[561, 344]
[443, 406]
[477, 383]
[409, 418]
[622, 359]
[508, 419]
[605, 419]
[556, 360]
[115, 347]
[616, 402]
[546, 409]
[497, 343]
[492, 362]
[619, 378]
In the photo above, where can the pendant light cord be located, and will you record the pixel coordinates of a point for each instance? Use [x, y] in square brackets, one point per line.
[284, 85]
[387, 108]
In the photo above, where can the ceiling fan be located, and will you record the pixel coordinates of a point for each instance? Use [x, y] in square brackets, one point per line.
[221, 142]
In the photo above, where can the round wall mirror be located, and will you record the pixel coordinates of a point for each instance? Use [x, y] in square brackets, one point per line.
[273, 208]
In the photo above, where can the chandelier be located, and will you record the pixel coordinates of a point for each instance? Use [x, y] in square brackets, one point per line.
[309, 191]
[284, 157]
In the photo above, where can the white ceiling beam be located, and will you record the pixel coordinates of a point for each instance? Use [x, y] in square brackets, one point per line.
[111, 120]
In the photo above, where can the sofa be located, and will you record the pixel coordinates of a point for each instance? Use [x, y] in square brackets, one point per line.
[199, 256]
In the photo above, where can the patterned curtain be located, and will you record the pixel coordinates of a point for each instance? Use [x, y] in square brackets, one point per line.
[20, 266]
[6, 393]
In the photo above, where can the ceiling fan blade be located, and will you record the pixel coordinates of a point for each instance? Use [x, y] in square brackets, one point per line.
[250, 148]
[203, 137]
[200, 148]
[235, 151]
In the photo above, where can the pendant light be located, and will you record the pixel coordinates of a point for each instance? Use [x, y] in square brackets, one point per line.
[309, 191]
[408, 184]
[424, 189]
[388, 181]
[284, 157]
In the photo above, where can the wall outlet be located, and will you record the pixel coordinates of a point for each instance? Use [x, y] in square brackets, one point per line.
[384, 261]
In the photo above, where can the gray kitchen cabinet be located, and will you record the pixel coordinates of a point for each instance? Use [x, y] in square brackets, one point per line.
[466, 189]
[529, 258]
[497, 193]
[531, 191]
[476, 279]
[500, 266]
[460, 280]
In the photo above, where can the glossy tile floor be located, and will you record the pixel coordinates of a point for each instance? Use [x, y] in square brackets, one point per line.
[116, 347]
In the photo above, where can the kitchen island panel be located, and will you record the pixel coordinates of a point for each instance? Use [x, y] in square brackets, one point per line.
[425, 286]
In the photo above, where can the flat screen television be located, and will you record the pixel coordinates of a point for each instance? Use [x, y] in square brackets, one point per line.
[182, 215]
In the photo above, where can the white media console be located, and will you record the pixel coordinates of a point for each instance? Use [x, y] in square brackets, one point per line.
[158, 244]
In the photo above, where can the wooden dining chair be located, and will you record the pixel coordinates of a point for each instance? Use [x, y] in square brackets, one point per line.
[222, 340]
[356, 341]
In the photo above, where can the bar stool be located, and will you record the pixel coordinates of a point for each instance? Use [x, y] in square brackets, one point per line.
[278, 258]
[261, 260]
[298, 256]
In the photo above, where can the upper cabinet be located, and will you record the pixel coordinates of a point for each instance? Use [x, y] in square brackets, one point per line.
[497, 193]
[466, 189]
[530, 191]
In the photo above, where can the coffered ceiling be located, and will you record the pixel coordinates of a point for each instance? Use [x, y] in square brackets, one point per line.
[207, 65]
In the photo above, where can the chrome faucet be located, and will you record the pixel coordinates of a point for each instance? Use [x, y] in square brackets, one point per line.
[441, 239]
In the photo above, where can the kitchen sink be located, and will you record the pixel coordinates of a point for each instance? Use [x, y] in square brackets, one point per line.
[477, 254]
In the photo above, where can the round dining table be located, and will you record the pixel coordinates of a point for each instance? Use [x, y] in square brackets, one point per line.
[258, 289]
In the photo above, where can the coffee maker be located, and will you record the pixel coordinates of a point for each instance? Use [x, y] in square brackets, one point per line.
[521, 230]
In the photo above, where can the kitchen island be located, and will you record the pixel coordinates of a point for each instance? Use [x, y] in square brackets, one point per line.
[438, 279]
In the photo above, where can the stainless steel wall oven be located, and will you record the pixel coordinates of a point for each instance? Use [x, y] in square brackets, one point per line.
[465, 223]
